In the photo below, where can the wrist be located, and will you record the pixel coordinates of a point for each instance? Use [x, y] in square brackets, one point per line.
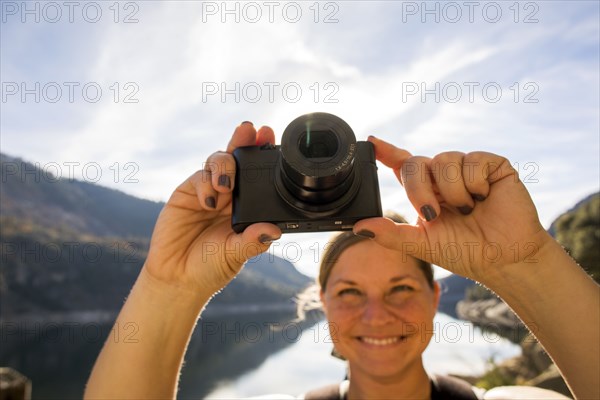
[533, 277]
[526, 260]
[160, 293]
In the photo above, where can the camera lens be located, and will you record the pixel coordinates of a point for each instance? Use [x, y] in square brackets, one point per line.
[316, 170]
[318, 144]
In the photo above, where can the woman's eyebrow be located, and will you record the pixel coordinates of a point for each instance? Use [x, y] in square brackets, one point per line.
[346, 281]
[400, 278]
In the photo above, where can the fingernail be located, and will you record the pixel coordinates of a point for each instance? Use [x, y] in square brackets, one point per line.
[265, 239]
[225, 181]
[478, 197]
[365, 233]
[211, 202]
[465, 210]
[371, 137]
[247, 122]
[428, 212]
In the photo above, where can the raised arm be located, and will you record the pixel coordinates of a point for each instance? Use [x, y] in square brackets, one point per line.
[478, 220]
[193, 254]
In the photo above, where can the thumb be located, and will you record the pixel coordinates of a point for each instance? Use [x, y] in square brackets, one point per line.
[254, 240]
[407, 238]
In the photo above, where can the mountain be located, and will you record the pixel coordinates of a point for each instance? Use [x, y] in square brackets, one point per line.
[69, 246]
[453, 288]
[585, 202]
[28, 192]
[578, 230]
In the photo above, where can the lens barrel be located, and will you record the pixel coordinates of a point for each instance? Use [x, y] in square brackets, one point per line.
[316, 169]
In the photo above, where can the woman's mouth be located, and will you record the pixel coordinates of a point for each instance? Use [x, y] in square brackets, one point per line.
[381, 341]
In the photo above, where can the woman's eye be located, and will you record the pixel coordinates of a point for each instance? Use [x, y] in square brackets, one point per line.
[350, 291]
[402, 288]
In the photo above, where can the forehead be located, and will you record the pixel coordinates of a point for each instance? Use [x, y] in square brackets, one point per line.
[368, 261]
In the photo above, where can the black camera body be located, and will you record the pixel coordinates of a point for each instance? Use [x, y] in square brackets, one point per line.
[319, 179]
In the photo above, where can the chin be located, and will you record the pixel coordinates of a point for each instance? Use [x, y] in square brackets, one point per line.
[387, 371]
[385, 357]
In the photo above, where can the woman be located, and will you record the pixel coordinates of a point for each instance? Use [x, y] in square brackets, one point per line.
[485, 207]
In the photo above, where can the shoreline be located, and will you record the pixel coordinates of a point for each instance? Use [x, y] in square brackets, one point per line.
[106, 317]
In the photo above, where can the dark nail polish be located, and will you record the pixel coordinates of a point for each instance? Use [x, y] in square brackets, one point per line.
[478, 197]
[428, 212]
[365, 233]
[247, 122]
[211, 202]
[225, 181]
[465, 210]
[265, 239]
[371, 137]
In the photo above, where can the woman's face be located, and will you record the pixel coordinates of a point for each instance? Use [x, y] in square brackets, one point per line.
[380, 309]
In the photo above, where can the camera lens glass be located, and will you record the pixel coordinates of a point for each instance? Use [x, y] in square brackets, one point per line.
[316, 169]
[318, 144]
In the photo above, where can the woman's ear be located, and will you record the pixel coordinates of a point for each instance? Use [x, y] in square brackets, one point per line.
[323, 299]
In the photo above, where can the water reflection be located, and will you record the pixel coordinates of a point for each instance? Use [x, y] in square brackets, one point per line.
[456, 348]
[223, 349]
[58, 356]
[231, 356]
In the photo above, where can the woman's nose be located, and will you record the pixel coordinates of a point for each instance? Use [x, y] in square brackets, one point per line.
[376, 312]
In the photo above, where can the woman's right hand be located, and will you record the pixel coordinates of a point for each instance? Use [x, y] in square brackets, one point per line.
[193, 247]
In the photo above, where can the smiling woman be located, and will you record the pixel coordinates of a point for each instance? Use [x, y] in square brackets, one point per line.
[378, 297]
[381, 307]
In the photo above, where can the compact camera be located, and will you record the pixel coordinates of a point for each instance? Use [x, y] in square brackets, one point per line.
[319, 179]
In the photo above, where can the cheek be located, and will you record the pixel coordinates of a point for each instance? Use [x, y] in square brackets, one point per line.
[416, 309]
[418, 315]
[341, 319]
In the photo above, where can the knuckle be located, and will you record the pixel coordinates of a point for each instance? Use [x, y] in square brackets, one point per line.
[480, 157]
[199, 176]
[218, 159]
[447, 157]
[208, 166]
[410, 167]
[415, 163]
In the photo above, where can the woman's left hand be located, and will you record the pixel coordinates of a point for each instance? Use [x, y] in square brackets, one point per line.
[476, 216]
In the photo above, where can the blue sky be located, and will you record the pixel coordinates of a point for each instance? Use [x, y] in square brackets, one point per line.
[543, 56]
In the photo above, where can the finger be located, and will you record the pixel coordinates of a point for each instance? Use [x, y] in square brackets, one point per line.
[254, 240]
[416, 177]
[390, 155]
[221, 166]
[407, 238]
[481, 169]
[447, 173]
[244, 135]
[265, 135]
[200, 184]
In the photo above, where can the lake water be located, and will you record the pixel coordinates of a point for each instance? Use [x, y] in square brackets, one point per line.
[457, 347]
[234, 356]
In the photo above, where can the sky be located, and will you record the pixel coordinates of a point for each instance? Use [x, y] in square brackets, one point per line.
[135, 95]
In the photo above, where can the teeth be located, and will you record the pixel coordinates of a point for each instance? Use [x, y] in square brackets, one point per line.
[380, 342]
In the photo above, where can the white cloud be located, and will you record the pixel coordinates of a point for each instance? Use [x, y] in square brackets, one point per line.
[368, 55]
